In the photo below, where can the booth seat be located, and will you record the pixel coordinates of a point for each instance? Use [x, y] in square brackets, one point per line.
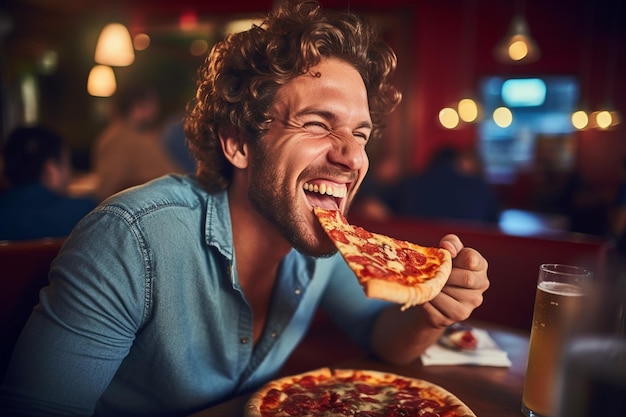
[24, 269]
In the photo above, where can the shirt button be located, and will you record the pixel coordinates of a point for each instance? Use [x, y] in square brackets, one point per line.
[243, 340]
[274, 335]
[297, 291]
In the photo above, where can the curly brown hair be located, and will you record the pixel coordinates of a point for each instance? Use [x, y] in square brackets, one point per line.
[238, 82]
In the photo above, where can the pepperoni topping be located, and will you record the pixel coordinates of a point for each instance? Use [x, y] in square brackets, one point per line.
[338, 236]
[378, 261]
[360, 394]
[362, 233]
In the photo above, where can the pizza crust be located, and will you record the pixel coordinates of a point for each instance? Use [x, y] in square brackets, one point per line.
[253, 407]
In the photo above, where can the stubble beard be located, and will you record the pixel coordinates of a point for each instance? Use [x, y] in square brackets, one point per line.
[274, 201]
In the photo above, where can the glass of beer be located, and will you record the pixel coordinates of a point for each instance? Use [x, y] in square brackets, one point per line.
[594, 367]
[560, 295]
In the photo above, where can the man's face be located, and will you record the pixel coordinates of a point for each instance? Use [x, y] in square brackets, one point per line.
[313, 153]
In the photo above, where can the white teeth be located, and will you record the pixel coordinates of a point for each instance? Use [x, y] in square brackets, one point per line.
[338, 192]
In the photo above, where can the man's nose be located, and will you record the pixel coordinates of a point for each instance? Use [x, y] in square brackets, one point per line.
[348, 151]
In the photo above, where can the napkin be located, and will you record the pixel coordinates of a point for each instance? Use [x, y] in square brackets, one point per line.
[487, 353]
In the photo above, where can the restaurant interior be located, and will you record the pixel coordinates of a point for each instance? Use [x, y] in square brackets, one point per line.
[447, 51]
[535, 117]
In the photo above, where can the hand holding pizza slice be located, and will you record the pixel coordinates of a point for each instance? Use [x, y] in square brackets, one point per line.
[388, 268]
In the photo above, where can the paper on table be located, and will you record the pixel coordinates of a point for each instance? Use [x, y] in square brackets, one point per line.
[487, 353]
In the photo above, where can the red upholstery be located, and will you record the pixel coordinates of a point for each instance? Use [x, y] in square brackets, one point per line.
[24, 269]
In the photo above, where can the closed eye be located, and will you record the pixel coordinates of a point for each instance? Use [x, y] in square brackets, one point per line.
[317, 128]
[363, 136]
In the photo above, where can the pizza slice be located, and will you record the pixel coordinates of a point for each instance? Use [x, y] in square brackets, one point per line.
[388, 268]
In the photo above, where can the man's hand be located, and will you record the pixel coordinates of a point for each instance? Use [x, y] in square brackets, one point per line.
[400, 337]
[465, 287]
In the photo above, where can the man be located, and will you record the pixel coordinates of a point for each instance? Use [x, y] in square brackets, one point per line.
[185, 293]
[36, 205]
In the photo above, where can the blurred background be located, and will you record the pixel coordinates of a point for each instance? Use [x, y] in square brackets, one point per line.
[528, 67]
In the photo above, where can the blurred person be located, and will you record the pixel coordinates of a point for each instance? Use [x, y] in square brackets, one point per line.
[449, 188]
[128, 151]
[586, 205]
[188, 291]
[175, 144]
[36, 204]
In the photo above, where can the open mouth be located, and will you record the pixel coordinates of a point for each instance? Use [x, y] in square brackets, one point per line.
[324, 194]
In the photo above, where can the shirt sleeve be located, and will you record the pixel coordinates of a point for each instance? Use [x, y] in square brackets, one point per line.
[345, 302]
[85, 322]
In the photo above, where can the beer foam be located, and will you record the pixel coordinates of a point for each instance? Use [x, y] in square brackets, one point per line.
[561, 288]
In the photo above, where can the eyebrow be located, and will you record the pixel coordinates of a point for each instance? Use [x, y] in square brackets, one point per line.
[331, 116]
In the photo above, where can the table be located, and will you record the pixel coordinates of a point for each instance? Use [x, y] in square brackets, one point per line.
[488, 391]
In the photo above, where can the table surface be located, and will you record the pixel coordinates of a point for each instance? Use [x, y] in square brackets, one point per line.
[488, 391]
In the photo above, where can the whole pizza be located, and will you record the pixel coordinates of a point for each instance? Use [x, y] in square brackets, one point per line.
[343, 392]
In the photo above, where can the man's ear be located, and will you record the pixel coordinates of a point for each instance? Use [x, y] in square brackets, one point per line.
[235, 149]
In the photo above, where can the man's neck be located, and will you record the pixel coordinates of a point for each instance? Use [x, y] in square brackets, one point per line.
[259, 250]
[259, 247]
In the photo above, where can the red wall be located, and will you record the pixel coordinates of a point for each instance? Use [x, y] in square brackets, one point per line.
[433, 72]
[560, 29]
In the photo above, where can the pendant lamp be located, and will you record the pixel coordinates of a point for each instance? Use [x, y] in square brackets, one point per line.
[101, 81]
[115, 46]
[518, 46]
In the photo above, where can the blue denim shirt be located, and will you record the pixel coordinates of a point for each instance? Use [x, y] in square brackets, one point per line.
[144, 314]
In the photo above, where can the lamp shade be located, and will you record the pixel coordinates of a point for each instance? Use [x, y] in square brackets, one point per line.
[101, 81]
[517, 47]
[115, 46]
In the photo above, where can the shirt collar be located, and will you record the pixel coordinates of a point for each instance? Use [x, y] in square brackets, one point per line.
[218, 226]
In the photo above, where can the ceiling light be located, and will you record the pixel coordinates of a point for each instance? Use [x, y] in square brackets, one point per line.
[449, 118]
[101, 81]
[503, 117]
[517, 47]
[115, 47]
[580, 119]
[141, 41]
[604, 119]
[468, 110]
